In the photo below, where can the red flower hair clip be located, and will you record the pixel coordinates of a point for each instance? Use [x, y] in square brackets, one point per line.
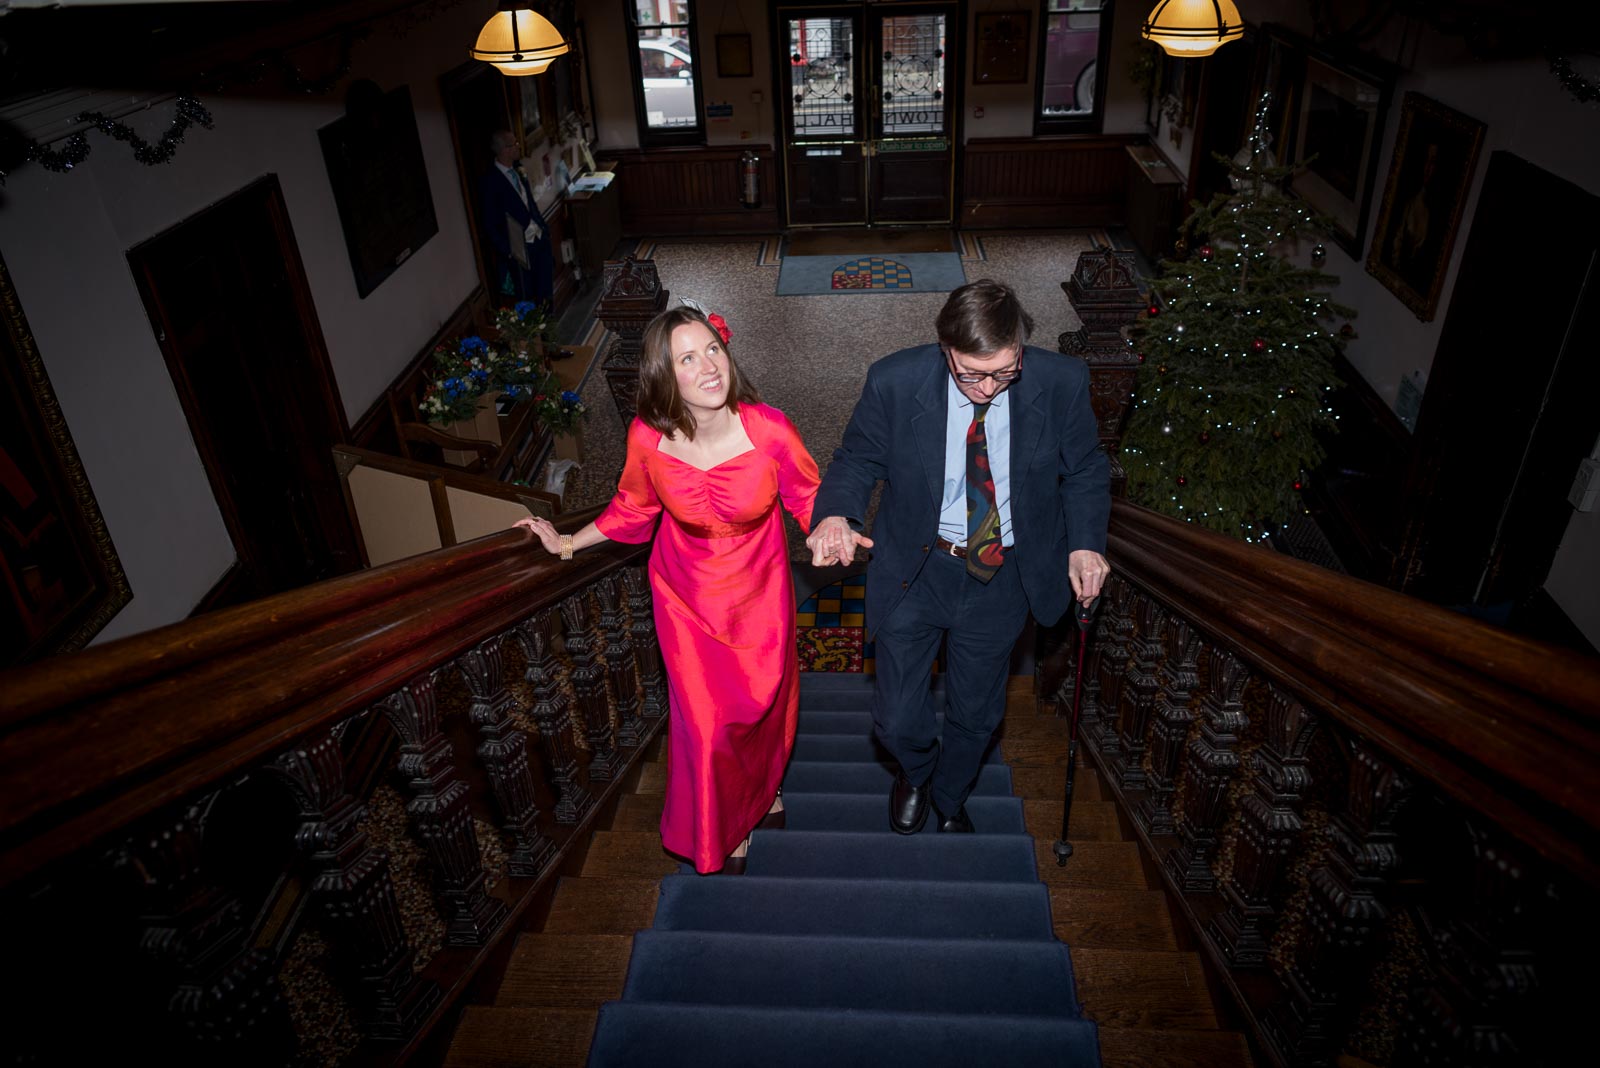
[720, 325]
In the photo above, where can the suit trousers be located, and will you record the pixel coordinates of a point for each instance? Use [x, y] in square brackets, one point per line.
[979, 624]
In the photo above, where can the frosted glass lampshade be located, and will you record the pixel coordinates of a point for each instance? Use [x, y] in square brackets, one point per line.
[1193, 28]
[519, 42]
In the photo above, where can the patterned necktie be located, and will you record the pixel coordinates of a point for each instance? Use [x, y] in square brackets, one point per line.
[984, 552]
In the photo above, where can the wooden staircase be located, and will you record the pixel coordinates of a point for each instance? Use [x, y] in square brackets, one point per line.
[1147, 991]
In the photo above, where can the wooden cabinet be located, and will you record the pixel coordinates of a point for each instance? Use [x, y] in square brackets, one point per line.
[596, 225]
[1155, 197]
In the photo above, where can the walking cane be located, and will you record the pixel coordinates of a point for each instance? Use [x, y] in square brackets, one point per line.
[1084, 613]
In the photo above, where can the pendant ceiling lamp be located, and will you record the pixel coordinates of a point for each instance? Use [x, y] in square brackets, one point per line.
[518, 41]
[1192, 28]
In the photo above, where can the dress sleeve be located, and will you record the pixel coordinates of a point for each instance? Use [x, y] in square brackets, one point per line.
[631, 515]
[797, 471]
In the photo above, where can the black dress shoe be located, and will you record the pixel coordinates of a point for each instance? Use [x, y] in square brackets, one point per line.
[958, 823]
[908, 806]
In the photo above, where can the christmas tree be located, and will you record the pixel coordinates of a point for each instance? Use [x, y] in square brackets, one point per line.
[1236, 362]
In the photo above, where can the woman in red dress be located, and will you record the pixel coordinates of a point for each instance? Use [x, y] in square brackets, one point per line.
[712, 463]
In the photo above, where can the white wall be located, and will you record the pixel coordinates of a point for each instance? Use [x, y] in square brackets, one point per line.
[1527, 113]
[66, 239]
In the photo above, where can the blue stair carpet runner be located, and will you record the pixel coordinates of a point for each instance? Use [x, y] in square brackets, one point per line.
[846, 944]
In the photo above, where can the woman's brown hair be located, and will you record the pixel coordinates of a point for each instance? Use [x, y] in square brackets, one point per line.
[659, 405]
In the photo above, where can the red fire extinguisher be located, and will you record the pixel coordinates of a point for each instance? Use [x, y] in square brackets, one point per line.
[750, 179]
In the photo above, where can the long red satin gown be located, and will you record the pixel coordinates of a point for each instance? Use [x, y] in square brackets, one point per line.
[724, 612]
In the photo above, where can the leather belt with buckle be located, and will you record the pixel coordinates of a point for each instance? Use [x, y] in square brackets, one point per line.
[957, 551]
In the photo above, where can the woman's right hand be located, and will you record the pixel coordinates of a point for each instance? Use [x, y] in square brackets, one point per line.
[545, 531]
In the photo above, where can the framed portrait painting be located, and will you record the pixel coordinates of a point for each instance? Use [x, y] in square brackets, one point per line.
[62, 579]
[733, 56]
[1435, 154]
[1338, 131]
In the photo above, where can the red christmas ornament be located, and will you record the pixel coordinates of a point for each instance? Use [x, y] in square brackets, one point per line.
[1258, 345]
[1205, 437]
[1154, 310]
[1140, 355]
[1205, 252]
[1297, 484]
[1182, 481]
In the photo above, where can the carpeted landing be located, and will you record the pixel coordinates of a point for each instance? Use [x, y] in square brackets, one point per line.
[846, 944]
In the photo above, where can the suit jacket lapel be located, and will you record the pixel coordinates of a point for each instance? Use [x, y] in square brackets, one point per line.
[1028, 419]
[927, 426]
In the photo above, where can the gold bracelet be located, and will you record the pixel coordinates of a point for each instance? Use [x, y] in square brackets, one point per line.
[566, 546]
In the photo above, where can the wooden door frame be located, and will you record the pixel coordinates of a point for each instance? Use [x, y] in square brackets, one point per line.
[270, 192]
[955, 45]
[955, 41]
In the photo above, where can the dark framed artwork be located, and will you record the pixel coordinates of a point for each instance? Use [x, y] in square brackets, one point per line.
[1435, 154]
[1279, 68]
[380, 182]
[1338, 132]
[733, 56]
[62, 579]
[1178, 90]
[1001, 57]
[530, 109]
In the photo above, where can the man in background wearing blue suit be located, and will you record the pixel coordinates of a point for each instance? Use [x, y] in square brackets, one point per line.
[524, 266]
[995, 503]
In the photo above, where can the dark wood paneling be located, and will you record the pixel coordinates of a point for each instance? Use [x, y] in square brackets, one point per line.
[1044, 181]
[692, 190]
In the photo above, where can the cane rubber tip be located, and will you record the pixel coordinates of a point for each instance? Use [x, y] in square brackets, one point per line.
[1062, 850]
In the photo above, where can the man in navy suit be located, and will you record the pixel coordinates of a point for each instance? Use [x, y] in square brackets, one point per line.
[995, 503]
[524, 267]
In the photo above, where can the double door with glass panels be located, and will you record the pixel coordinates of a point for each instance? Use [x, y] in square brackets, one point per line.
[868, 113]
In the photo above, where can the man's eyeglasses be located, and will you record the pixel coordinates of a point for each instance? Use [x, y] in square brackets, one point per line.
[973, 378]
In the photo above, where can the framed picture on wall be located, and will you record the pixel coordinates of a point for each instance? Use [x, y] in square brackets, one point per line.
[733, 55]
[1338, 131]
[63, 580]
[1279, 63]
[530, 114]
[1001, 57]
[1435, 154]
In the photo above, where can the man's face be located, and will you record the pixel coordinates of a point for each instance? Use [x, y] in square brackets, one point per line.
[506, 155]
[1007, 363]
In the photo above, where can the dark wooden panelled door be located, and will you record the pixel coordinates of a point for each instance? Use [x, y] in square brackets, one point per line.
[231, 309]
[1509, 410]
[868, 113]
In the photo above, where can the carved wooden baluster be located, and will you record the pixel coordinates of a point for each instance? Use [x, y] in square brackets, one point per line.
[504, 753]
[536, 636]
[589, 687]
[619, 662]
[1180, 674]
[225, 999]
[646, 650]
[1139, 689]
[355, 893]
[1344, 912]
[1269, 835]
[1210, 762]
[440, 816]
[1477, 1003]
[1110, 654]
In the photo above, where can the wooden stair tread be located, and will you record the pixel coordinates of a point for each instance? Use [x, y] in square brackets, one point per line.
[638, 812]
[492, 1037]
[603, 905]
[565, 971]
[1048, 782]
[1114, 919]
[1143, 988]
[1092, 821]
[1098, 865]
[1137, 1047]
[628, 853]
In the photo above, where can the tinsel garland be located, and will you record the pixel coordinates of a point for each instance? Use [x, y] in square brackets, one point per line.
[1583, 89]
[76, 147]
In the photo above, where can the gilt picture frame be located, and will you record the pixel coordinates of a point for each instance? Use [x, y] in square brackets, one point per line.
[1435, 155]
[1338, 133]
[63, 579]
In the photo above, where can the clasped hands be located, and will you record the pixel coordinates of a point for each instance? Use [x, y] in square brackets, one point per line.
[833, 541]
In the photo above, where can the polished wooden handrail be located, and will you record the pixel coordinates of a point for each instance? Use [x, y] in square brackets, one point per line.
[1508, 726]
[92, 740]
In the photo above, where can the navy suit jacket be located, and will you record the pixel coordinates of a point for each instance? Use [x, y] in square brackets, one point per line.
[499, 200]
[1060, 477]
